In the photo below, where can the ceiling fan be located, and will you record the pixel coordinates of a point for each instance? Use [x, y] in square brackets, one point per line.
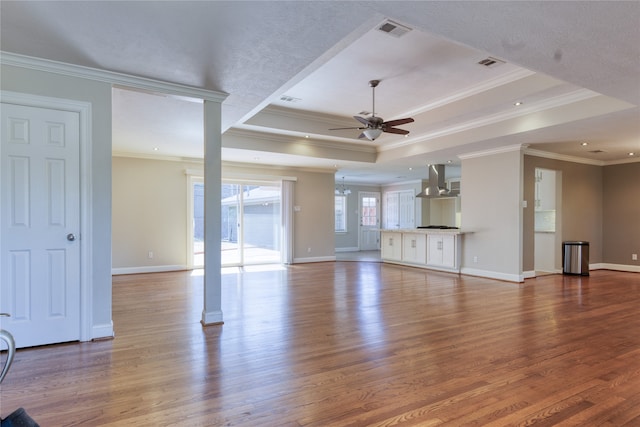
[374, 126]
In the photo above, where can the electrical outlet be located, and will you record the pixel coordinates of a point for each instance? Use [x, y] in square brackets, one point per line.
[475, 259]
[150, 255]
[308, 250]
[634, 257]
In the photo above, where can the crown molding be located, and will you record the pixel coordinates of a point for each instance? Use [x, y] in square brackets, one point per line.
[563, 157]
[490, 152]
[484, 86]
[575, 159]
[229, 164]
[556, 101]
[634, 159]
[272, 137]
[323, 118]
[145, 156]
[112, 77]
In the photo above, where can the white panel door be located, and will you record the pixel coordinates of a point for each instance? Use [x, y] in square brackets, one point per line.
[39, 224]
[407, 208]
[369, 221]
[391, 210]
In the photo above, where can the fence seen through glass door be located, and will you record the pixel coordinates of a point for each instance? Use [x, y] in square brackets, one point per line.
[250, 223]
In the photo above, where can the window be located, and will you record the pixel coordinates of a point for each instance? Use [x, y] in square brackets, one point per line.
[341, 214]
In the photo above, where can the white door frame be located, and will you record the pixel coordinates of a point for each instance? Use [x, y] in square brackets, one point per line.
[193, 177]
[86, 226]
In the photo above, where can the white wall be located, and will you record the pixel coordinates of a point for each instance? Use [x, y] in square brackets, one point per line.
[492, 213]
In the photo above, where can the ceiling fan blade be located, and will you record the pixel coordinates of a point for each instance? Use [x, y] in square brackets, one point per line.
[395, 130]
[398, 122]
[355, 127]
[361, 136]
[362, 120]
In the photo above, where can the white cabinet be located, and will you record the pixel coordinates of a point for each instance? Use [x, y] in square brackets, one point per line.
[441, 250]
[391, 247]
[420, 248]
[414, 248]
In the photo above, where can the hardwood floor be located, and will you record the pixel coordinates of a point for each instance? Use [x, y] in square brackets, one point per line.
[348, 344]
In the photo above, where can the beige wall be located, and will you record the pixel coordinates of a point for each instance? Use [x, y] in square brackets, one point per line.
[98, 173]
[621, 214]
[580, 209]
[491, 194]
[150, 213]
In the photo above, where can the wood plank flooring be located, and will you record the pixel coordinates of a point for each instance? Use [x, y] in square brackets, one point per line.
[348, 344]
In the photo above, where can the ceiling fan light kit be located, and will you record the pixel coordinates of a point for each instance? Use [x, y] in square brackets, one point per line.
[371, 134]
[375, 126]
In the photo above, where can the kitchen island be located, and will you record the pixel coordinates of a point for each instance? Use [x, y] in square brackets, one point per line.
[434, 248]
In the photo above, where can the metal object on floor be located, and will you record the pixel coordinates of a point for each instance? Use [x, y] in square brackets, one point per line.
[11, 349]
[575, 258]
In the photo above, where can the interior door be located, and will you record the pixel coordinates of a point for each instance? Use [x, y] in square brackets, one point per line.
[369, 221]
[39, 224]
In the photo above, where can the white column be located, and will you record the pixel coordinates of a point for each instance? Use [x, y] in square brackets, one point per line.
[287, 220]
[212, 312]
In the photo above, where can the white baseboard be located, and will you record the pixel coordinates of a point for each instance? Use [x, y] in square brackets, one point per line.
[493, 275]
[212, 318]
[354, 249]
[149, 269]
[314, 259]
[529, 274]
[616, 267]
[102, 331]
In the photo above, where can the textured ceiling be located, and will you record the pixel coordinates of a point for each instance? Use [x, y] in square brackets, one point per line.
[575, 65]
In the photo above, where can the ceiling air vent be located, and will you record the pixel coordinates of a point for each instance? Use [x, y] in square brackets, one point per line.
[596, 151]
[393, 28]
[287, 98]
[491, 62]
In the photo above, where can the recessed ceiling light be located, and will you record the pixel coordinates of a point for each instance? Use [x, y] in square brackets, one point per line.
[632, 154]
[584, 144]
[306, 136]
[410, 169]
[155, 148]
[517, 104]
[449, 161]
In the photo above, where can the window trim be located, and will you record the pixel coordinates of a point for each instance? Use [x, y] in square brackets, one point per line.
[344, 214]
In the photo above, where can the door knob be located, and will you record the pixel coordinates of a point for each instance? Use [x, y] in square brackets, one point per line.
[71, 237]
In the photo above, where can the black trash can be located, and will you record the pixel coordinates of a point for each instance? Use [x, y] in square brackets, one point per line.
[575, 258]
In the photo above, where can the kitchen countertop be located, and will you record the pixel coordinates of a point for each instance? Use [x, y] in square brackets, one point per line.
[425, 230]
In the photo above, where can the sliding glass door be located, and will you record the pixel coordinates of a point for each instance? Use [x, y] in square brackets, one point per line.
[251, 223]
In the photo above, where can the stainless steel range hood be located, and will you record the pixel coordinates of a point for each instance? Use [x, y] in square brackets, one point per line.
[437, 186]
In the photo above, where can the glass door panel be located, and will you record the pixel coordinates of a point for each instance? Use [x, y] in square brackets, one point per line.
[230, 235]
[198, 224]
[261, 224]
